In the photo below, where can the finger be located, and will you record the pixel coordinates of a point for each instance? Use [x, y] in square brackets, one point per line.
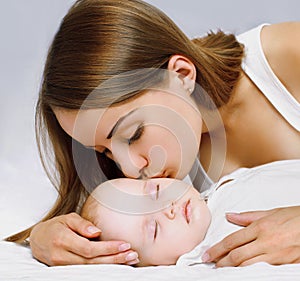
[129, 258]
[64, 258]
[246, 218]
[285, 256]
[81, 226]
[260, 258]
[91, 249]
[229, 243]
[69, 258]
[239, 255]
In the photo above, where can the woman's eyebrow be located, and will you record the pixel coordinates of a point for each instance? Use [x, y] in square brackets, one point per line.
[115, 127]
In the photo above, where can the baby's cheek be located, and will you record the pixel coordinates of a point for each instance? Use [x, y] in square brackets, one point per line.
[169, 253]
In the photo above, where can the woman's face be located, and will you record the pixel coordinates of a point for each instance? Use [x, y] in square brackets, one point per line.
[170, 220]
[156, 134]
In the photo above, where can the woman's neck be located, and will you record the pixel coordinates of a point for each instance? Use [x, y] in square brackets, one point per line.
[255, 133]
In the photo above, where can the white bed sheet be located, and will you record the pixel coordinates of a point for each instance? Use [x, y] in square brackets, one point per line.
[17, 264]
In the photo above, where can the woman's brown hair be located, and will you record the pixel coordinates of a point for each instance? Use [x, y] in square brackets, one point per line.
[97, 40]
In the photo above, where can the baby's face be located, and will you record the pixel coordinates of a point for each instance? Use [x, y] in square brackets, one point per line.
[164, 218]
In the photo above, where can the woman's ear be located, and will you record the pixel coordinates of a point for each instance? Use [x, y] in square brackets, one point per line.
[186, 71]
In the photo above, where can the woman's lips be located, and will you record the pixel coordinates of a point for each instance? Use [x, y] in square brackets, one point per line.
[187, 211]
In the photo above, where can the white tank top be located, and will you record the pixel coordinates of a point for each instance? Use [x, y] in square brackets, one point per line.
[256, 66]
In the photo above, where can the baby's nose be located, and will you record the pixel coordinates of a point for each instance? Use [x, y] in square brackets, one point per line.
[171, 211]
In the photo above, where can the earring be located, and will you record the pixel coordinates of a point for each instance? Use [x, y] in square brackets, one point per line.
[190, 90]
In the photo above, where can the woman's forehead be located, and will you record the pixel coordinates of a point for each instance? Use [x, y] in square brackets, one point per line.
[82, 125]
[149, 99]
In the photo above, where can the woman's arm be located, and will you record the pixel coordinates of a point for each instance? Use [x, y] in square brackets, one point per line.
[269, 236]
[65, 240]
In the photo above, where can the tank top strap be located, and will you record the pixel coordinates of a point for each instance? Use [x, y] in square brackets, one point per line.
[201, 181]
[257, 68]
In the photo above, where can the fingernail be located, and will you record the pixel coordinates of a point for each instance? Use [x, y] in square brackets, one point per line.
[93, 229]
[131, 256]
[205, 257]
[124, 247]
[133, 262]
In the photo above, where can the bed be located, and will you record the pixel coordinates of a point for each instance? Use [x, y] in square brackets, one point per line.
[26, 195]
[18, 264]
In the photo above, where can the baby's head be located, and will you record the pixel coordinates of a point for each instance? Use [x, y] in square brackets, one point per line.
[161, 218]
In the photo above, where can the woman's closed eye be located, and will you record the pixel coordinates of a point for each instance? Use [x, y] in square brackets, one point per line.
[137, 134]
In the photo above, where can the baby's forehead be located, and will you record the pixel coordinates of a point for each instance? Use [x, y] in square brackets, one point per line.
[138, 186]
[124, 184]
[139, 196]
[119, 194]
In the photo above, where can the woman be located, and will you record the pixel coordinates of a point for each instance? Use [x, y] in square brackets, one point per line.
[233, 118]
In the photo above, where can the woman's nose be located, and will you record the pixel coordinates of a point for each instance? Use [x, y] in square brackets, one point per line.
[131, 164]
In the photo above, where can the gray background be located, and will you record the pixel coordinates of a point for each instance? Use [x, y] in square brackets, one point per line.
[26, 30]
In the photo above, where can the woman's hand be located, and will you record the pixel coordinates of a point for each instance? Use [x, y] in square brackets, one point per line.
[269, 236]
[64, 240]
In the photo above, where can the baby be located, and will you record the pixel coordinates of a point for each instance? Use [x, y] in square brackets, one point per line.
[161, 218]
[167, 222]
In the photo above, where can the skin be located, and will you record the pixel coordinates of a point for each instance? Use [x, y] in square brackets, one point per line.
[235, 252]
[69, 248]
[245, 247]
[161, 236]
[266, 138]
[156, 130]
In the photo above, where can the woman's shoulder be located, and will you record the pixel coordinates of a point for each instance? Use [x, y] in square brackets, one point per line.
[288, 31]
[280, 43]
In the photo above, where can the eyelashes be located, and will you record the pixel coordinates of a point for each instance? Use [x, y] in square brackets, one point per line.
[155, 230]
[137, 134]
[155, 197]
[157, 191]
[154, 192]
[153, 227]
